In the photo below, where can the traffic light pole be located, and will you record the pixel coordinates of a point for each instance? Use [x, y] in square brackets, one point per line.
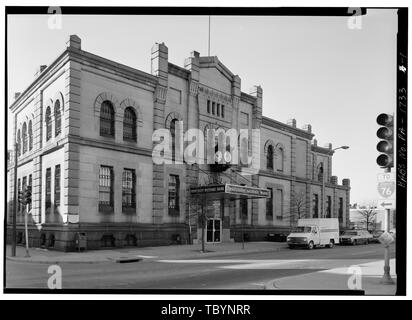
[26, 213]
[386, 279]
[14, 227]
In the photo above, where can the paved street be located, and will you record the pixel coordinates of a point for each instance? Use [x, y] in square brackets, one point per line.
[248, 270]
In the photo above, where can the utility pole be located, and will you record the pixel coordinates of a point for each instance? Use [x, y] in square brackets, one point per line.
[14, 228]
[26, 230]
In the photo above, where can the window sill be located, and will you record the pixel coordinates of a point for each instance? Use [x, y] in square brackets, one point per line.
[106, 209]
[129, 210]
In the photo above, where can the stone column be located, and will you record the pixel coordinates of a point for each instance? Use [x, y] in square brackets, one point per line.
[160, 67]
[70, 207]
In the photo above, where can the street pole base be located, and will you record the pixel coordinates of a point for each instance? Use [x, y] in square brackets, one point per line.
[386, 279]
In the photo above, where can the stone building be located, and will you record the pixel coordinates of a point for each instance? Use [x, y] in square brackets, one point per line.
[84, 134]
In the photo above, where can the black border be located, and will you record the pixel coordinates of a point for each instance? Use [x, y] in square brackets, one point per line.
[401, 190]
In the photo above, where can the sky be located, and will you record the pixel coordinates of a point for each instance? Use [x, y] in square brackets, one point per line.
[314, 69]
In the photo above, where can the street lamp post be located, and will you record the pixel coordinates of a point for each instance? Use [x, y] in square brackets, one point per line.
[323, 181]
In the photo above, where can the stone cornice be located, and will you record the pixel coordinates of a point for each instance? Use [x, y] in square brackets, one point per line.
[178, 71]
[82, 57]
[284, 127]
[322, 150]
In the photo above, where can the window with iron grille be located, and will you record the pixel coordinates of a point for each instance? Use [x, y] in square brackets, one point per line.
[23, 187]
[31, 185]
[315, 205]
[269, 205]
[106, 188]
[48, 124]
[18, 189]
[279, 204]
[218, 109]
[279, 159]
[340, 209]
[269, 158]
[329, 207]
[24, 133]
[222, 110]
[128, 189]
[129, 124]
[57, 186]
[173, 199]
[18, 143]
[30, 135]
[48, 188]
[107, 119]
[57, 119]
[208, 106]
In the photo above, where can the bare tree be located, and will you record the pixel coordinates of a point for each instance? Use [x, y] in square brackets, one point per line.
[298, 204]
[368, 214]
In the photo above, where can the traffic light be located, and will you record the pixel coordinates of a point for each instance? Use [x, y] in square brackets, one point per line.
[27, 195]
[385, 146]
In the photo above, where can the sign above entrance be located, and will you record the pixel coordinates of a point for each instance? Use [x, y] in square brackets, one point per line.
[230, 190]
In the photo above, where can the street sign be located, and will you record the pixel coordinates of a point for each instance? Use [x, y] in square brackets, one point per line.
[386, 239]
[386, 203]
[386, 188]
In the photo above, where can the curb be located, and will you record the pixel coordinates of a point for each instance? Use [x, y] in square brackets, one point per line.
[138, 259]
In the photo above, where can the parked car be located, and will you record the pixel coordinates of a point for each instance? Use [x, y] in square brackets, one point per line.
[355, 237]
[375, 236]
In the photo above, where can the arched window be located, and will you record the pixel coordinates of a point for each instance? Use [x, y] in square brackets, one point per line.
[173, 136]
[48, 124]
[279, 158]
[30, 135]
[129, 124]
[320, 172]
[107, 119]
[18, 144]
[57, 119]
[24, 134]
[269, 158]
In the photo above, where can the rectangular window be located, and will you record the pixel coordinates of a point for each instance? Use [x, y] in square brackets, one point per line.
[57, 186]
[315, 206]
[213, 108]
[218, 109]
[340, 209]
[279, 204]
[208, 106]
[244, 118]
[222, 111]
[173, 201]
[18, 189]
[269, 205]
[48, 188]
[31, 185]
[128, 189]
[329, 207]
[106, 202]
[23, 187]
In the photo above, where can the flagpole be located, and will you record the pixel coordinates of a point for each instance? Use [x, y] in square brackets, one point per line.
[208, 47]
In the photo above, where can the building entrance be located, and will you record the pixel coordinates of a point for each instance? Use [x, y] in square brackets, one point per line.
[213, 230]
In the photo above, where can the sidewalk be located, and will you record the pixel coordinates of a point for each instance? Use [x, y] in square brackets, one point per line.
[131, 254]
[341, 279]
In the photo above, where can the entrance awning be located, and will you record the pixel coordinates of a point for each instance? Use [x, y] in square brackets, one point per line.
[229, 191]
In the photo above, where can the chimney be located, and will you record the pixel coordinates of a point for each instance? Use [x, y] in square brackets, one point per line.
[39, 70]
[292, 123]
[346, 182]
[16, 95]
[334, 180]
[315, 142]
[160, 60]
[307, 127]
[74, 42]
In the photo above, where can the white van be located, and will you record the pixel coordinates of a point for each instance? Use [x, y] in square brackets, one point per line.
[315, 232]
